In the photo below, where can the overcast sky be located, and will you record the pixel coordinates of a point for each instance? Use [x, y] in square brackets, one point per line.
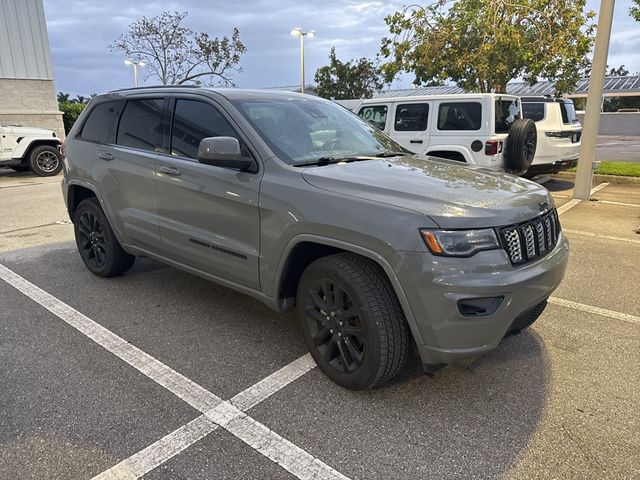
[80, 32]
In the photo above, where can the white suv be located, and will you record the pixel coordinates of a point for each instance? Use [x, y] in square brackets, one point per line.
[559, 133]
[28, 148]
[483, 129]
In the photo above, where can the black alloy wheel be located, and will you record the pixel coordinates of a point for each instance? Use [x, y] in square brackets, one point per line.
[335, 325]
[351, 320]
[91, 240]
[97, 244]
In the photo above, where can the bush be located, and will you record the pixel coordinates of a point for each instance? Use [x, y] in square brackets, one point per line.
[71, 111]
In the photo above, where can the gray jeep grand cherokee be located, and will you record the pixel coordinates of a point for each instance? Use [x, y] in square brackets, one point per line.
[297, 202]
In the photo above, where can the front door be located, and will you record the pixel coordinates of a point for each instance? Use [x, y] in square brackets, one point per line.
[410, 127]
[209, 217]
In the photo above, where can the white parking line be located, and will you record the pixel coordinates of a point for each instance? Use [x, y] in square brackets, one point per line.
[608, 237]
[289, 456]
[572, 203]
[167, 447]
[625, 317]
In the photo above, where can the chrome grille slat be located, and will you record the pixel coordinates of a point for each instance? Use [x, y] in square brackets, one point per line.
[530, 240]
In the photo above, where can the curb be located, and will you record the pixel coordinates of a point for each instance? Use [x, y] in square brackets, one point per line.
[618, 179]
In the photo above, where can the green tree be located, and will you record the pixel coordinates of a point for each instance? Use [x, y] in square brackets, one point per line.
[63, 97]
[634, 11]
[346, 80]
[176, 54]
[621, 71]
[482, 44]
[71, 111]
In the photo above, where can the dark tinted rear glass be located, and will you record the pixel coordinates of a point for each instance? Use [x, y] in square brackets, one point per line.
[140, 124]
[534, 111]
[411, 117]
[101, 122]
[460, 116]
[568, 111]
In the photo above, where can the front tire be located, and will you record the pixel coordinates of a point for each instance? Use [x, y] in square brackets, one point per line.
[45, 161]
[352, 321]
[100, 250]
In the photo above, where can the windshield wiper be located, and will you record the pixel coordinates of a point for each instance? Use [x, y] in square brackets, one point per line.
[390, 153]
[327, 160]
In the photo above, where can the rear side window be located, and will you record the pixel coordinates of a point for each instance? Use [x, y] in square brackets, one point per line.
[460, 116]
[100, 125]
[411, 117]
[534, 111]
[193, 121]
[140, 125]
[375, 115]
[568, 112]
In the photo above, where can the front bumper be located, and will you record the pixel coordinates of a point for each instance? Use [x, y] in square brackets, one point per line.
[435, 285]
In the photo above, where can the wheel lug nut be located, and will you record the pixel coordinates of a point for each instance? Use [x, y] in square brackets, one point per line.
[331, 330]
[339, 334]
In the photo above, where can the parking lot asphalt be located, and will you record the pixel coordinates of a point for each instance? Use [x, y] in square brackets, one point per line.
[558, 401]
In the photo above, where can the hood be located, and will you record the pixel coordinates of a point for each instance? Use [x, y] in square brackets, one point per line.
[26, 131]
[453, 196]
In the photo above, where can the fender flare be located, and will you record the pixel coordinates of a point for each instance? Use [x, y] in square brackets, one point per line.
[365, 252]
[27, 143]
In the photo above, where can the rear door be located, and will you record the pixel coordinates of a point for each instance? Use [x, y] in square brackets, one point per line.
[410, 125]
[124, 171]
[209, 215]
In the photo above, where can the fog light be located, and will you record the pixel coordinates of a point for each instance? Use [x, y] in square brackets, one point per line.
[479, 307]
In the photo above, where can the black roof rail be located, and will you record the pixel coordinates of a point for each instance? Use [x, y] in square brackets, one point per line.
[153, 87]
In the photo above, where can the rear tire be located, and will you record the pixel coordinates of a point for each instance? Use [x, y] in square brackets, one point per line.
[521, 145]
[45, 161]
[98, 247]
[352, 321]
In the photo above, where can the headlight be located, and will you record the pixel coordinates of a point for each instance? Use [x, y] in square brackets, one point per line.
[459, 243]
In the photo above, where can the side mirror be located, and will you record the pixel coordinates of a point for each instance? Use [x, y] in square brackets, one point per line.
[222, 152]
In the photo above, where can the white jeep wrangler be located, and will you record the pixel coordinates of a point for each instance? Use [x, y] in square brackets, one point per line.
[28, 148]
[483, 129]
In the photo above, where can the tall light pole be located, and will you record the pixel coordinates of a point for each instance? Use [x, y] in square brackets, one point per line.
[584, 175]
[136, 64]
[298, 32]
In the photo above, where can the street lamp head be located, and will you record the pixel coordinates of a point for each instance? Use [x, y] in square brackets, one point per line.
[296, 32]
[128, 62]
[311, 33]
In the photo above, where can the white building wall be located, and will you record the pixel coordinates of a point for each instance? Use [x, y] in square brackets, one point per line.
[27, 91]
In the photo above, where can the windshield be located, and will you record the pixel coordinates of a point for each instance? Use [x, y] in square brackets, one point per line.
[300, 130]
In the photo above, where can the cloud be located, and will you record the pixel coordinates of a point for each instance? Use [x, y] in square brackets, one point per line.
[80, 32]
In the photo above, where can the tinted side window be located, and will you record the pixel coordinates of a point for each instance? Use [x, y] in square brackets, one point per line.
[411, 117]
[568, 112]
[460, 116]
[101, 122]
[375, 115]
[193, 121]
[140, 124]
[534, 111]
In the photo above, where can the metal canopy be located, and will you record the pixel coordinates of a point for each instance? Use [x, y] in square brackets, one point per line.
[613, 87]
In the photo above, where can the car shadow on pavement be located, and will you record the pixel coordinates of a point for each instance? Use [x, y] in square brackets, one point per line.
[557, 185]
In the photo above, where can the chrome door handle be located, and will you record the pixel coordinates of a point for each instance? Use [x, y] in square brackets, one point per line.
[105, 156]
[169, 170]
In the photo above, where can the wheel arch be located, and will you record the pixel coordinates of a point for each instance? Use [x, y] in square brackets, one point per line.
[23, 152]
[304, 249]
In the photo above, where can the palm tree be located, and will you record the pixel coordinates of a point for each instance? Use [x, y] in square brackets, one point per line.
[81, 99]
[63, 97]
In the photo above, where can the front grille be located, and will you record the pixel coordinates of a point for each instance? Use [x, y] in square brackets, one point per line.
[530, 240]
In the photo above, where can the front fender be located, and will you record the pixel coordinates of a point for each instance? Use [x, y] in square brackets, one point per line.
[27, 142]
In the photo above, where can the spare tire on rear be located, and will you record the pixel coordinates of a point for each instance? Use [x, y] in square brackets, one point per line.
[521, 146]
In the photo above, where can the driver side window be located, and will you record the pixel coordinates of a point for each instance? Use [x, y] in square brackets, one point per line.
[194, 120]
